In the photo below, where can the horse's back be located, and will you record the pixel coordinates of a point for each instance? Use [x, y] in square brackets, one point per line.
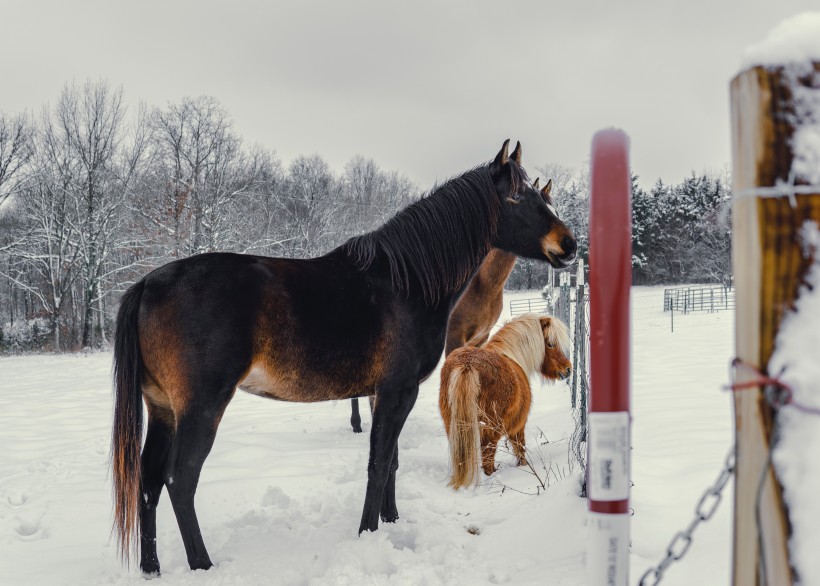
[289, 329]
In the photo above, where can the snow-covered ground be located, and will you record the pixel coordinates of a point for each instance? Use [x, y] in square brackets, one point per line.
[281, 494]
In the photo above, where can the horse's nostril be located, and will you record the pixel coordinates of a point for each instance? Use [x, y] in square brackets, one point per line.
[569, 246]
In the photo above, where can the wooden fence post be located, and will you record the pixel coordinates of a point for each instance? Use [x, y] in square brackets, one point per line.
[768, 268]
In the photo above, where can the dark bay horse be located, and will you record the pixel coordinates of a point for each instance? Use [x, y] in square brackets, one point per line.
[368, 318]
[479, 307]
[485, 392]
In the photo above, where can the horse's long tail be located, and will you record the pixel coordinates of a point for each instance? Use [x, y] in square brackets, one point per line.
[126, 435]
[462, 395]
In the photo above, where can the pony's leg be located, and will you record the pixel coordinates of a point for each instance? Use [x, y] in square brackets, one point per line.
[489, 443]
[194, 437]
[390, 413]
[519, 447]
[355, 418]
[154, 458]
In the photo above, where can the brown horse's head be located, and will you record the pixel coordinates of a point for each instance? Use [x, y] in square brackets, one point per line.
[529, 225]
[556, 364]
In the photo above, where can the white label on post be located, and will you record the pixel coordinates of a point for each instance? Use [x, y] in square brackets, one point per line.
[608, 456]
[608, 554]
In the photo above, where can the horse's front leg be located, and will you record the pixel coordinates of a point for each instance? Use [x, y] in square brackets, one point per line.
[391, 410]
[389, 511]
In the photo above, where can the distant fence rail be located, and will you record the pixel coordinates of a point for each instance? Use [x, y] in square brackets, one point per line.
[688, 299]
[532, 305]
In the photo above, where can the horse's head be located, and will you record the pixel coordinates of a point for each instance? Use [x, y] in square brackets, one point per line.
[556, 364]
[529, 225]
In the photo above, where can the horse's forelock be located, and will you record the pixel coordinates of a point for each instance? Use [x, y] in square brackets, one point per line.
[558, 334]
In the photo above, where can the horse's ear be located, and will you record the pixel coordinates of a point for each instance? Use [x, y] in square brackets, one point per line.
[537, 183]
[547, 189]
[516, 154]
[501, 172]
[502, 157]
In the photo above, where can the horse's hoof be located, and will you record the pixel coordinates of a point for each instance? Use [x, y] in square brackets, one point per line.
[150, 569]
[204, 564]
[357, 429]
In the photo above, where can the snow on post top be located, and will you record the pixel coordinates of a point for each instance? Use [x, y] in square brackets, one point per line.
[794, 45]
[795, 40]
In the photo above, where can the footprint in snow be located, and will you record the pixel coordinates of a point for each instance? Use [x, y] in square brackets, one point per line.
[17, 500]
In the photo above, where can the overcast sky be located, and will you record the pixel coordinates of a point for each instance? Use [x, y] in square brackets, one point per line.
[428, 88]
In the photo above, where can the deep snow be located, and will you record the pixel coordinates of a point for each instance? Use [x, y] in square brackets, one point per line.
[281, 494]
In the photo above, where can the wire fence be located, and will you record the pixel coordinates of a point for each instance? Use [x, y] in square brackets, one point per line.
[569, 302]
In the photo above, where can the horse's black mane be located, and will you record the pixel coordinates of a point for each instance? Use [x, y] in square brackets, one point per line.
[440, 239]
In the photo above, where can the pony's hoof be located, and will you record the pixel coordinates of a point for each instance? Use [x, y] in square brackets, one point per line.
[522, 462]
[151, 575]
[357, 429]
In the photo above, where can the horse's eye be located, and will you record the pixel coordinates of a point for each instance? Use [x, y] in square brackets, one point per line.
[517, 196]
[550, 345]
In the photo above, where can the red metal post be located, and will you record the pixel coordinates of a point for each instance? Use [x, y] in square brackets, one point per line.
[610, 278]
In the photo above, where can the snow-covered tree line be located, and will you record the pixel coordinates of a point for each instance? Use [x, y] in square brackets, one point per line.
[680, 232]
[93, 195]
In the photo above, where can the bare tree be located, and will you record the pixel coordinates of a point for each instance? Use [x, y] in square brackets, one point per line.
[15, 153]
[201, 175]
[373, 195]
[45, 254]
[88, 124]
[312, 204]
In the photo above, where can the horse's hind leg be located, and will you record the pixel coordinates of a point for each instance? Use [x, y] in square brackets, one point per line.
[154, 458]
[194, 437]
[355, 418]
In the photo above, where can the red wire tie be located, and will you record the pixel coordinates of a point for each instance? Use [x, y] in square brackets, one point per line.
[785, 397]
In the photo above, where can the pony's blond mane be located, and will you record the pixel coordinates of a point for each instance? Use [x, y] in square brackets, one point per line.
[521, 340]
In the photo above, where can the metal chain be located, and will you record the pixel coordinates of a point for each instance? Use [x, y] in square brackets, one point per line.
[705, 510]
